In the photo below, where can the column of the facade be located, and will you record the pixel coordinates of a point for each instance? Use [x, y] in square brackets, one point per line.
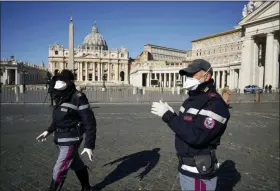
[98, 71]
[174, 80]
[78, 71]
[160, 80]
[255, 67]
[16, 76]
[102, 66]
[93, 73]
[230, 79]
[115, 72]
[118, 72]
[246, 62]
[275, 75]
[109, 72]
[223, 78]
[234, 79]
[149, 79]
[82, 70]
[169, 80]
[215, 77]
[218, 80]
[102, 70]
[164, 79]
[269, 59]
[237, 78]
[86, 73]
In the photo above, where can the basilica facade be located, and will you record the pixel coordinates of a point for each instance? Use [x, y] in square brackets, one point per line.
[92, 62]
[248, 54]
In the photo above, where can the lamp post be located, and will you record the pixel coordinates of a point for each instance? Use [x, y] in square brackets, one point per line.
[150, 71]
[104, 78]
[23, 73]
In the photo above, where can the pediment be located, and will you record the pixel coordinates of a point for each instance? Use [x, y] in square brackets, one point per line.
[267, 10]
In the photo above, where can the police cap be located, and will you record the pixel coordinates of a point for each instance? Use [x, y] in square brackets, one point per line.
[196, 66]
[65, 75]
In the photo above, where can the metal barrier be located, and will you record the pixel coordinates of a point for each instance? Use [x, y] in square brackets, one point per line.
[120, 95]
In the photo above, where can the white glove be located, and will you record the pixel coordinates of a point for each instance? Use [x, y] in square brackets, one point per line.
[159, 108]
[43, 136]
[169, 107]
[89, 152]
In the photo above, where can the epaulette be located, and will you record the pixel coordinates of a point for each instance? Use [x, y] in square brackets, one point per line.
[79, 94]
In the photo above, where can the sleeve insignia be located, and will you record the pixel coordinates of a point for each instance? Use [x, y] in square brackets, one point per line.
[209, 123]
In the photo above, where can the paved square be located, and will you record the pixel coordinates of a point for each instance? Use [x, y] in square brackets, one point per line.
[251, 141]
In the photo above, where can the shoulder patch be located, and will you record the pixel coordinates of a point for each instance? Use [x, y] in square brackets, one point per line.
[212, 94]
[188, 118]
[209, 123]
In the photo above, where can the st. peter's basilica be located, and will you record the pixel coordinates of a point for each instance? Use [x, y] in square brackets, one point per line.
[91, 61]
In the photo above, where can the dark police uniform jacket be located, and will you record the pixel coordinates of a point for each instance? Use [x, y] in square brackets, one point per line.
[73, 118]
[199, 126]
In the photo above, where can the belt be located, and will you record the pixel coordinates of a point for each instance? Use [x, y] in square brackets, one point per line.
[186, 160]
[65, 130]
[190, 160]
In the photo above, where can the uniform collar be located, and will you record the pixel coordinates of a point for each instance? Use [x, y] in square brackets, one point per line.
[203, 88]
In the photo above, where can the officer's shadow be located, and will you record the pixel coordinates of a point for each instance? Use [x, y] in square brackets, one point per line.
[228, 176]
[131, 163]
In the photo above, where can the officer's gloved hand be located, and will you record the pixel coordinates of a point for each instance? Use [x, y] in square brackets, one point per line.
[159, 108]
[43, 136]
[89, 152]
[169, 107]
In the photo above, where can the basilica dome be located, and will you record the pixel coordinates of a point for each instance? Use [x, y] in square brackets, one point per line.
[95, 40]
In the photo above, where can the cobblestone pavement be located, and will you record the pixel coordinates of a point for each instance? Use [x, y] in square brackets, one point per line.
[251, 142]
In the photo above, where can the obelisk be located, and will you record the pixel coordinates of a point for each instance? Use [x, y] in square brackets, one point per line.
[71, 46]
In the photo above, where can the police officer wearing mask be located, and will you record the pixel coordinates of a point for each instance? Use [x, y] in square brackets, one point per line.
[198, 127]
[72, 117]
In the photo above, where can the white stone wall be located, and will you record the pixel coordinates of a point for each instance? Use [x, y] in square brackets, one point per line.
[223, 51]
[166, 73]
[165, 53]
[33, 74]
[219, 50]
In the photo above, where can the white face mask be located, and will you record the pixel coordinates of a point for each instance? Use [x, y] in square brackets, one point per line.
[60, 85]
[193, 83]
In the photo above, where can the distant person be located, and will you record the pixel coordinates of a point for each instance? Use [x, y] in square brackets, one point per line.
[266, 88]
[270, 88]
[226, 94]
